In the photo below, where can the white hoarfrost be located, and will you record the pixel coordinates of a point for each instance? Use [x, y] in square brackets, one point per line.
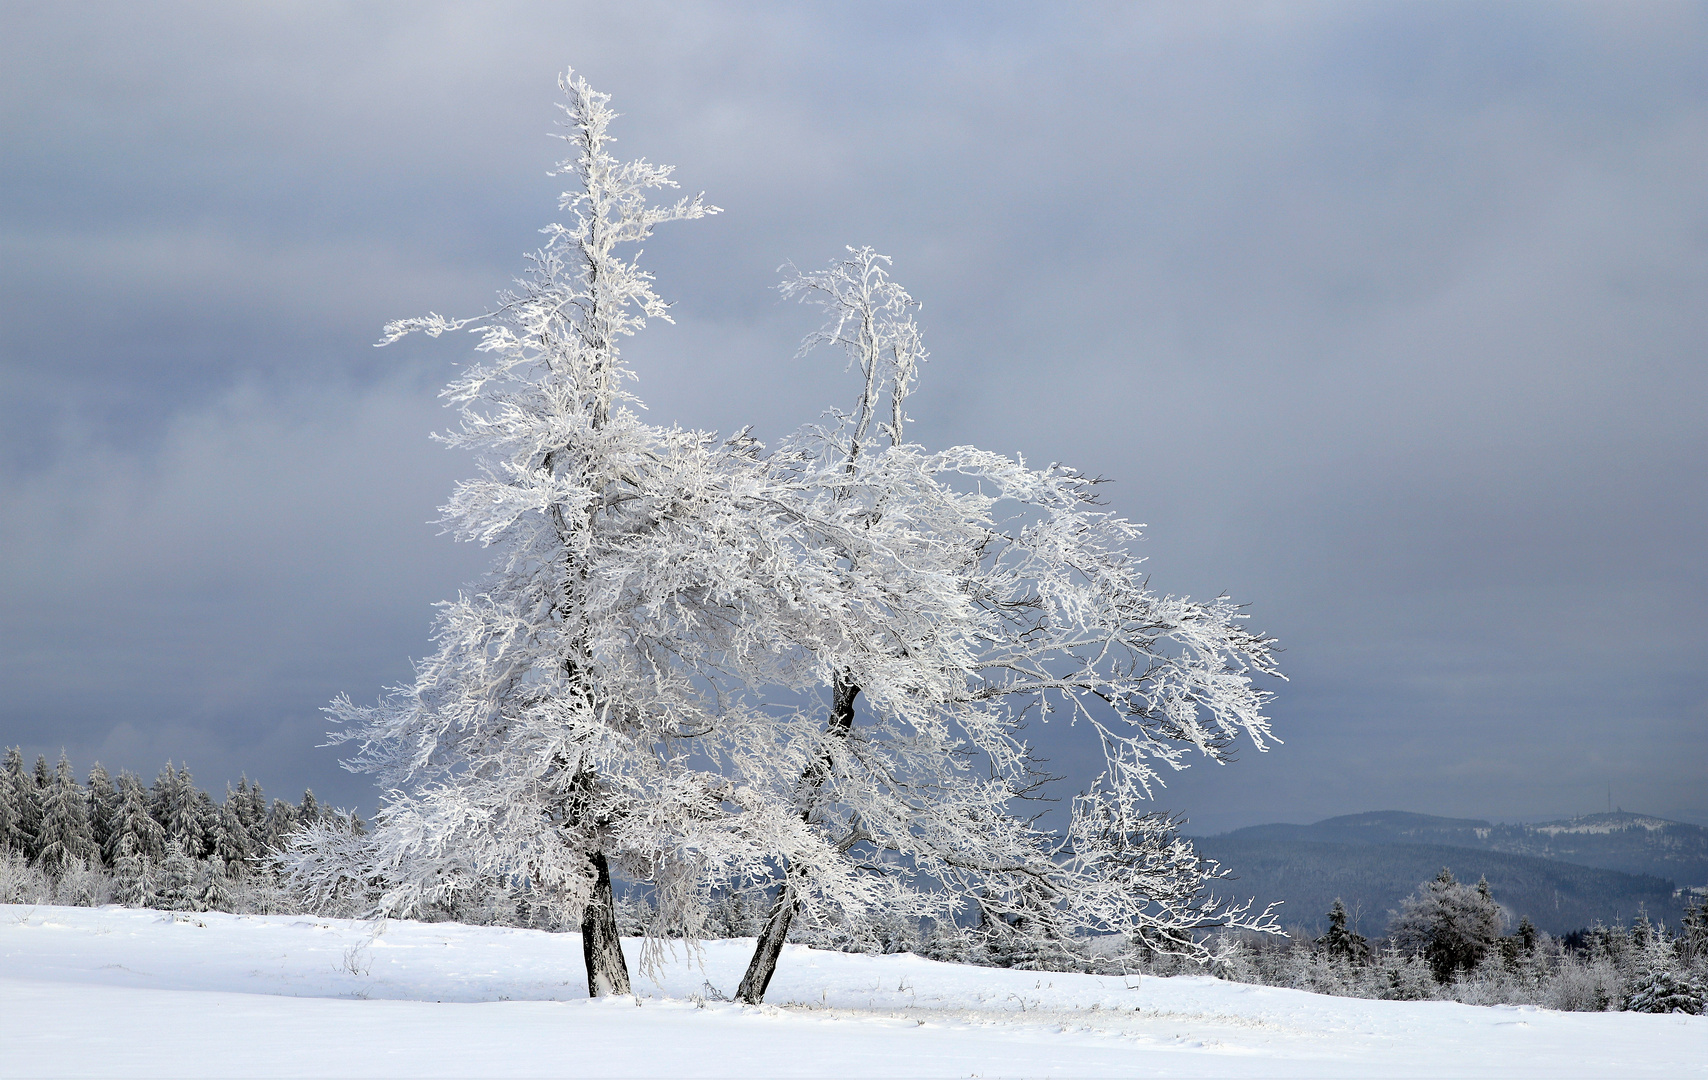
[660, 675]
[129, 992]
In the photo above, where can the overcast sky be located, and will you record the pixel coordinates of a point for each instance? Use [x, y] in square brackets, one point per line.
[1389, 320]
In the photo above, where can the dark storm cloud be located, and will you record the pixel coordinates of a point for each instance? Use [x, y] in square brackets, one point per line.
[1387, 319]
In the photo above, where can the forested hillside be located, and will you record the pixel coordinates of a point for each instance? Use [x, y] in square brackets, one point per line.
[1562, 875]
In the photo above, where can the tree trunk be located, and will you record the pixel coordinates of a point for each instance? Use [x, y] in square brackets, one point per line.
[601, 943]
[770, 947]
[776, 930]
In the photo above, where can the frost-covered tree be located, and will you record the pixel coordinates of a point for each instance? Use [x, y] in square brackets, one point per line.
[999, 593]
[26, 804]
[230, 845]
[1340, 942]
[176, 805]
[1449, 924]
[134, 830]
[63, 837]
[12, 836]
[136, 880]
[212, 888]
[308, 811]
[103, 803]
[548, 736]
[281, 823]
[177, 878]
[251, 807]
[620, 690]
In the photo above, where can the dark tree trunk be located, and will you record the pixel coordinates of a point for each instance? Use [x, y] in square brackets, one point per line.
[770, 947]
[601, 942]
[776, 930]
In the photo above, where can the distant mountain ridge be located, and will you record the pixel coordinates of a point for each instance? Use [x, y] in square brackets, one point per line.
[1630, 843]
[1561, 874]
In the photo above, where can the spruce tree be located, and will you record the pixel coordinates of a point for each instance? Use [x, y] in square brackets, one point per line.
[27, 800]
[1448, 924]
[177, 878]
[251, 809]
[1527, 935]
[185, 824]
[213, 888]
[134, 830]
[136, 879]
[207, 821]
[11, 820]
[162, 794]
[281, 822]
[63, 836]
[309, 812]
[1693, 940]
[103, 805]
[1339, 942]
[231, 843]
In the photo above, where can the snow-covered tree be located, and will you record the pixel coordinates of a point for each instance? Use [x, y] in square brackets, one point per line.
[12, 835]
[63, 837]
[1342, 943]
[177, 878]
[212, 888]
[230, 843]
[1448, 923]
[134, 830]
[547, 738]
[136, 880]
[251, 808]
[621, 690]
[308, 811]
[984, 593]
[25, 804]
[175, 804]
[103, 803]
[281, 823]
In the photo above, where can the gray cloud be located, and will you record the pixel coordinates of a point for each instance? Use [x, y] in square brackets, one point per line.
[1386, 319]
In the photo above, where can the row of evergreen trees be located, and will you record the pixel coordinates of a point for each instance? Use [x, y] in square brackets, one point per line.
[141, 835]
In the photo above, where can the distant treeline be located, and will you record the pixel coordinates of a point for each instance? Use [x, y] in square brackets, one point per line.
[167, 844]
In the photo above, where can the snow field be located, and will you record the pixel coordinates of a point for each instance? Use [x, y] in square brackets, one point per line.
[110, 991]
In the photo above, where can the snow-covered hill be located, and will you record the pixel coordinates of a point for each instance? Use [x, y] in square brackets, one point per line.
[113, 991]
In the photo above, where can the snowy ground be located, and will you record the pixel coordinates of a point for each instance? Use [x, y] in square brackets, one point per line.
[113, 991]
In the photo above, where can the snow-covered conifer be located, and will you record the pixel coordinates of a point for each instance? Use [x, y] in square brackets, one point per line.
[26, 803]
[1340, 942]
[212, 889]
[103, 804]
[134, 830]
[136, 880]
[1449, 924]
[176, 891]
[230, 844]
[63, 837]
[281, 823]
[180, 811]
[11, 810]
[251, 807]
[308, 811]
[615, 692]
